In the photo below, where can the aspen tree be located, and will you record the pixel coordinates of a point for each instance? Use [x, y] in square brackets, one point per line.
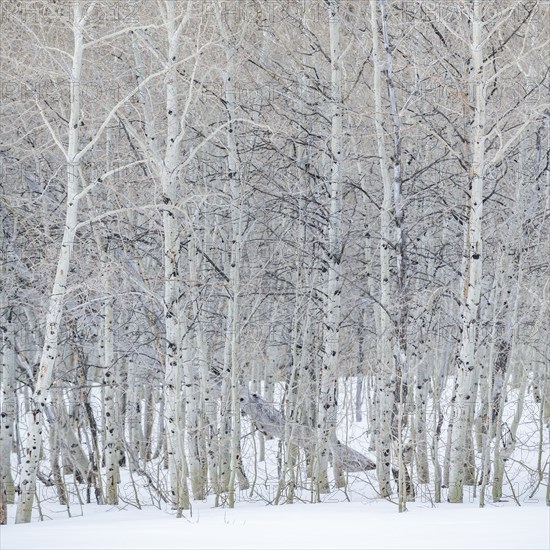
[7, 414]
[385, 387]
[235, 177]
[35, 418]
[332, 314]
[466, 398]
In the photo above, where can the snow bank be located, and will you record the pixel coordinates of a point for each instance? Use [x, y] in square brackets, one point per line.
[327, 525]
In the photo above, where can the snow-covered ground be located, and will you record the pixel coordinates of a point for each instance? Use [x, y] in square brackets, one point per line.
[365, 522]
[326, 525]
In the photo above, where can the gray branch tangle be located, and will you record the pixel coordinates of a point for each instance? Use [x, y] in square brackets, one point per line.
[271, 422]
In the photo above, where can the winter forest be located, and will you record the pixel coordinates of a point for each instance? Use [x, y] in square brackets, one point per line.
[273, 252]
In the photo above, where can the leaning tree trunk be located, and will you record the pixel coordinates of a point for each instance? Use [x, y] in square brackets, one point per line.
[35, 417]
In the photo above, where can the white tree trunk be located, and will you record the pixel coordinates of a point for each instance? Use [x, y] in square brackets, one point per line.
[401, 290]
[192, 394]
[133, 416]
[466, 398]
[421, 398]
[35, 418]
[331, 338]
[385, 383]
[110, 408]
[7, 411]
[7, 387]
[197, 383]
[172, 280]
[236, 214]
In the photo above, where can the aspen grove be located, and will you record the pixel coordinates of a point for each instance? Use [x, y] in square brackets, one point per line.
[274, 250]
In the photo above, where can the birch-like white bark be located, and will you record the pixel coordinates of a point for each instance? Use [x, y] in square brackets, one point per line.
[466, 398]
[167, 163]
[112, 475]
[196, 383]
[401, 290]
[7, 388]
[169, 172]
[7, 381]
[332, 314]
[384, 372]
[133, 415]
[236, 215]
[7, 394]
[35, 418]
